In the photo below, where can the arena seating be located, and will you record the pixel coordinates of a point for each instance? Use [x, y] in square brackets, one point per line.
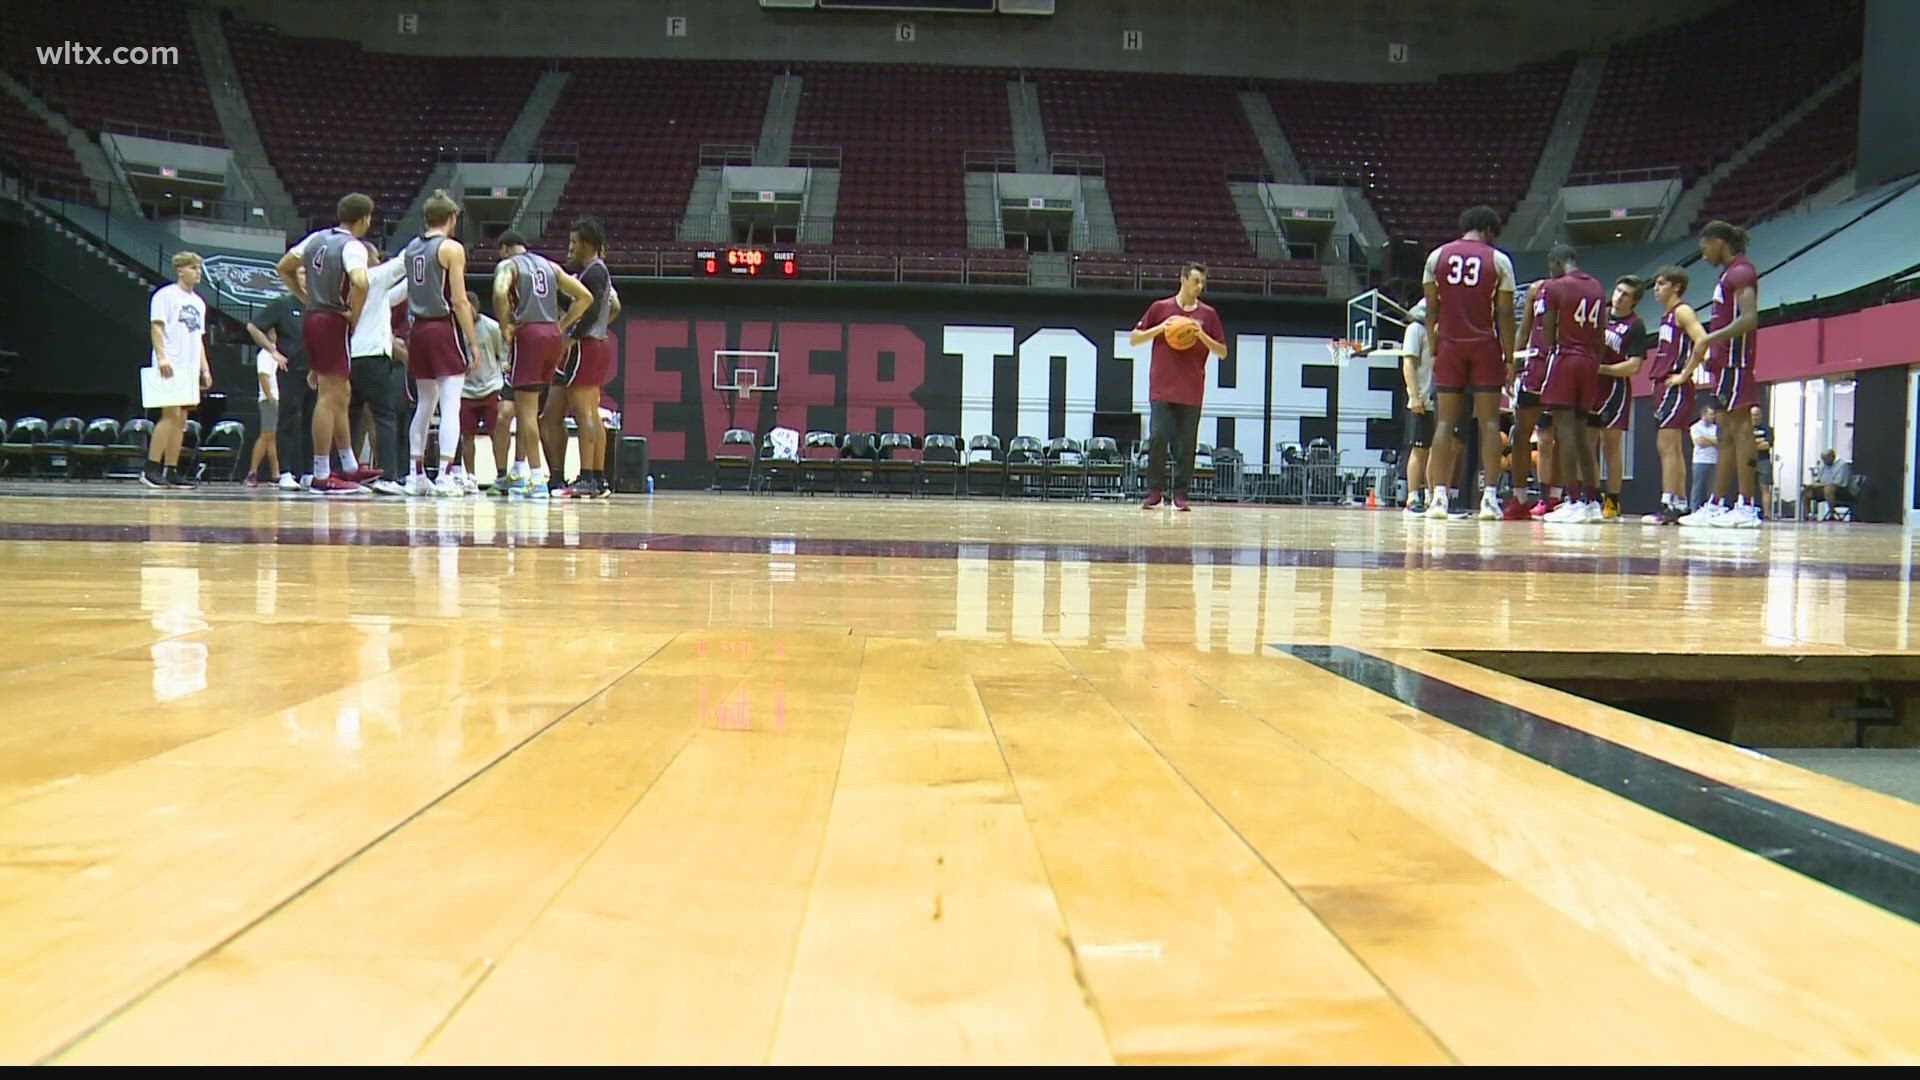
[1817, 150]
[42, 150]
[1690, 95]
[165, 96]
[903, 133]
[1422, 152]
[639, 125]
[373, 122]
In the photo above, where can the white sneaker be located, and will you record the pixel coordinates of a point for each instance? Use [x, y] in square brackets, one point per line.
[288, 483]
[384, 486]
[417, 484]
[1438, 508]
[1566, 513]
[449, 487]
[469, 484]
[1704, 516]
[1653, 519]
[1742, 516]
[1596, 513]
[1489, 505]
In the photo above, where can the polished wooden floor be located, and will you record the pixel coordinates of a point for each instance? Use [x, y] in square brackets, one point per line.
[720, 779]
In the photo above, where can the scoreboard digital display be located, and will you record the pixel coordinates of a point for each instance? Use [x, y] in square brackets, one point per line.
[746, 262]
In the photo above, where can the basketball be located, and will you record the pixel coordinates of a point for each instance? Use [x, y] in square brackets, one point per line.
[1184, 333]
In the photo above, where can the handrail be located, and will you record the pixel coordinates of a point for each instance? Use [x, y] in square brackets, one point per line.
[1598, 177]
[162, 134]
[1790, 199]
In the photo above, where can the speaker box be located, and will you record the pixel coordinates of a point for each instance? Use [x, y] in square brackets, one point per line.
[630, 467]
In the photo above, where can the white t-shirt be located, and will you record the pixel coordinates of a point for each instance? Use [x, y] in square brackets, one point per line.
[182, 315]
[266, 365]
[386, 286]
[1705, 455]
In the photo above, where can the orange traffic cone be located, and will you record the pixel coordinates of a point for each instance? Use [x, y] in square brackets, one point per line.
[1373, 501]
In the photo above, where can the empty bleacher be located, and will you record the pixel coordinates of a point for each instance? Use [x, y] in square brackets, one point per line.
[159, 95]
[43, 151]
[1819, 149]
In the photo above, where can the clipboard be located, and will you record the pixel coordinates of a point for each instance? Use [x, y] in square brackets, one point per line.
[159, 392]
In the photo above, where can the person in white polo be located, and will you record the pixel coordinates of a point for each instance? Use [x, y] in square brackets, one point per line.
[177, 326]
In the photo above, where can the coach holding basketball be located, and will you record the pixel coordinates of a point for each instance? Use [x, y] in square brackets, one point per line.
[1184, 332]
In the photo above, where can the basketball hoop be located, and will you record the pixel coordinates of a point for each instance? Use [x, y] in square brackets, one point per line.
[1342, 350]
[748, 380]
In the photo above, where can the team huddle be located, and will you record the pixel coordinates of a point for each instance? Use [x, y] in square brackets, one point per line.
[531, 362]
[1571, 380]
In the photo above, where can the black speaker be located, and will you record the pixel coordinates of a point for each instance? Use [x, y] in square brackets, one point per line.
[630, 467]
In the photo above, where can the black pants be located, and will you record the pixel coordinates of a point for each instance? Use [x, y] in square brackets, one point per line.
[296, 422]
[380, 383]
[1178, 425]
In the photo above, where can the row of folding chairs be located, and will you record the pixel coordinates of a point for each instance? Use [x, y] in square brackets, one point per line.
[74, 449]
[897, 463]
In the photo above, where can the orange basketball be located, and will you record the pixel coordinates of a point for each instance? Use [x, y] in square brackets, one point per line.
[1184, 333]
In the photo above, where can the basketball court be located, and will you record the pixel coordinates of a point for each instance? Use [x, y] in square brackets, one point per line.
[727, 779]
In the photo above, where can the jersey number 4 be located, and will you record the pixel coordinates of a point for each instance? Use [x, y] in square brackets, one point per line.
[1463, 271]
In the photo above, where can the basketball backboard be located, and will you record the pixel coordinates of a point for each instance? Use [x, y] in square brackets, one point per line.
[746, 372]
[1374, 318]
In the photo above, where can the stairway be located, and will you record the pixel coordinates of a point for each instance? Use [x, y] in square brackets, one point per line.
[776, 127]
[525, 132]
[43, 219]
[823, 202]
[236, 119]
[1262, 231]
[109, 187]
[540, 204]
[413, 222]
[1029, 130]
[983, 211]
[1273, 141]
[1563, 144]
[1679, 219]
[1050, 270]
[1094, 226]
[697, 226]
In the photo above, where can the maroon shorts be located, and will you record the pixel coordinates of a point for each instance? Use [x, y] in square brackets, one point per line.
[1469, 365]
[1614, 409]
[1673, 408]
[434, 350]
[537, 348]
[1572, 381]
[1736, 388]
[589, 362]
[1533, 374]
[478, 415]
[327, 336]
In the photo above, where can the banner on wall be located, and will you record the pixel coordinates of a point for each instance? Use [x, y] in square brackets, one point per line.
[1074, 378]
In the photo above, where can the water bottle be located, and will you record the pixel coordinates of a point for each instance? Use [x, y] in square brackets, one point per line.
[649, 483]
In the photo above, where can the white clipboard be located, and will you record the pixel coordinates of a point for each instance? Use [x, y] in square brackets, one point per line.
[158, 392]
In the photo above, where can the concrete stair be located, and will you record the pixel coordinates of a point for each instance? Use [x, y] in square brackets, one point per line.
[237, 126]
[525, 132]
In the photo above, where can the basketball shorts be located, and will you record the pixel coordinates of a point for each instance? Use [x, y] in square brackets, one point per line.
[1533, 379]
[537, 348]
[1614, 412]
[269, 416]
[1674, 410]
[1572, 381]
[1474, 364]
[1737, 389]
[1527, 399]
[327, 336]
[589, 362]
[478, 415]
[435, 351]
[1420, 428]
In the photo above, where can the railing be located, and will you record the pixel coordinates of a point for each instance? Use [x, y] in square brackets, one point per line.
[1806, 190]
[556, 152]
[726, 155]
[721, 155]
[162, 134]
[226, 211]
[814, 157]
[994, 161]
[1622, 176]
[465, 152]
[1247, 171]
[1065, 164]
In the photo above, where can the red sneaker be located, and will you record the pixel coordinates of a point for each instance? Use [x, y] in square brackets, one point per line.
[1515, 510]
[1154, 499]
[362, 476]
[1180, 504]
[335, 485]
[1544, 507]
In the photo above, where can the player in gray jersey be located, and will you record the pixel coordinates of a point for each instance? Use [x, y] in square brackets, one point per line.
[591, 362]
[526, 301]
[333, 293]
[439, 345]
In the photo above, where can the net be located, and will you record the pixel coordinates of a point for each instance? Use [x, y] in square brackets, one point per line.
[1342, 351]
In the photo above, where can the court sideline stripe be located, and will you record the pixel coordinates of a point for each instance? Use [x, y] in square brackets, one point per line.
[1863, 866]
[166, 980]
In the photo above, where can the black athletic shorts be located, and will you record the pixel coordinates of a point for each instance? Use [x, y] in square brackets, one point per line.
[1420, 428]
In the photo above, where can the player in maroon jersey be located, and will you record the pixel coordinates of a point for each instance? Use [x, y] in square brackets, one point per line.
[1731, 348]
[1677, 350]
[1609, 422]
[1574, 333]
[1527, 412]
[1469, 287]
